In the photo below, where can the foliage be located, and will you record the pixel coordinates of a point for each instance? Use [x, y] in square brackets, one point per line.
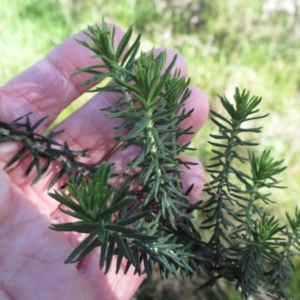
[250, 246]
[247, 246]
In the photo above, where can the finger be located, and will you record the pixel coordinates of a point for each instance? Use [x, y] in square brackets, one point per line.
[48, 86]
[88, 128]
[194, 176]
[198, 102]
[5, 195]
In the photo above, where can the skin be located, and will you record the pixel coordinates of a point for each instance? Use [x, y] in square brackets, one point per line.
[32, 256]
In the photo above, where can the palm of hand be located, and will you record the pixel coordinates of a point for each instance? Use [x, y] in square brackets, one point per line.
[32, 256]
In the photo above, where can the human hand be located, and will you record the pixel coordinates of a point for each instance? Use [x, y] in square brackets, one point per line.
[32, 256]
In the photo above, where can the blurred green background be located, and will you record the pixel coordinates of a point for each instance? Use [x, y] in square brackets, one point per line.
[247, 44]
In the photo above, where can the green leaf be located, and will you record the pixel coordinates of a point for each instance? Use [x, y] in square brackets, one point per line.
[65, 200]
[114, 208]
[130, 55]
[109, 256]
[16, 157]
[133, 219]
[164, 78]
[141, 157]
[83, 227]
[103, 238]
[84, 248]
[124, 248]
[123, 43]
[120, 229]
[138, 128]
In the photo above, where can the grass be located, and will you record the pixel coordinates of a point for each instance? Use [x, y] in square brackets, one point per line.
[225, 43]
